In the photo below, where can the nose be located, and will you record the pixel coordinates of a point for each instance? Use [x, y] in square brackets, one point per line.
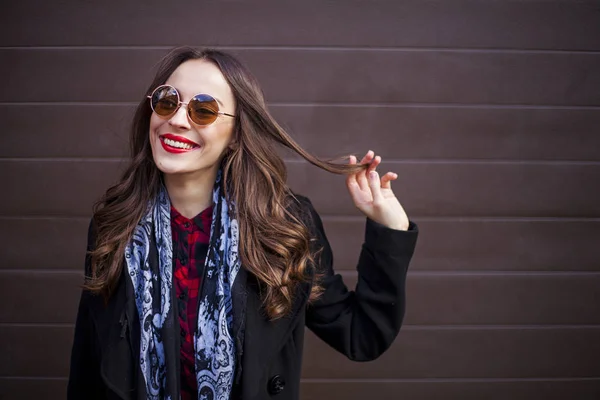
[180, 119]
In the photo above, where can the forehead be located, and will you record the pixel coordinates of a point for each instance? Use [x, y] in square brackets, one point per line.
[200, 76]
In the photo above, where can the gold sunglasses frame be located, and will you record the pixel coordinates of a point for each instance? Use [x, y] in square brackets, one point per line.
[182, 103]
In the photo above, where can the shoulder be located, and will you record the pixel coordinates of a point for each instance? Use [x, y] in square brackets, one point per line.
[302, 208]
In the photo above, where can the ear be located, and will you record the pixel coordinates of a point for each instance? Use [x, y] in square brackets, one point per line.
[233, 145]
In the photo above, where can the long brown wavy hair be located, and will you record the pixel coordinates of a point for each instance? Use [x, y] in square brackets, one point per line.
[274, 242]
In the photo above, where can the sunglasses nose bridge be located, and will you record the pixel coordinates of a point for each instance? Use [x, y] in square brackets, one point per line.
[177, 118]
[188, 111]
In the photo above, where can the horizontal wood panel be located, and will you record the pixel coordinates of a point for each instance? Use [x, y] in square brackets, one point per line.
[531, 24]
[46, 244]
[394, 132]
[58, 183]
[468, 189]
[445, 132]
[425, 189]
[56, 296]
[502, 299]
[588, 389]
[462, 245]
[473, 353]
[22, 347]
[32, 388]
[334, 76]
[456, 353]
[454, 245]
[68, 131]
[93, 75]
[434, 299]
[580, 389]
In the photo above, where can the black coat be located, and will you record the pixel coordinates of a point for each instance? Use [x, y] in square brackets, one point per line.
[360, 324]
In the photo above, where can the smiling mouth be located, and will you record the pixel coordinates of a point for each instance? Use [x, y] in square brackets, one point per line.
[173, 144]
[179, 145]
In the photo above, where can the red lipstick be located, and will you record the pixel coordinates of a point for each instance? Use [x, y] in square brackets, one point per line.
[172, 143]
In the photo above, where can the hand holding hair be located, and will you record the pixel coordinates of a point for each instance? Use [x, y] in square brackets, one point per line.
[373, 195]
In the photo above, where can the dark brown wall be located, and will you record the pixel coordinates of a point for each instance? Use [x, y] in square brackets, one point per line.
[488, 110]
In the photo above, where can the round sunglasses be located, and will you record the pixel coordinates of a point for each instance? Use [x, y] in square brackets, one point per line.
[202, 109]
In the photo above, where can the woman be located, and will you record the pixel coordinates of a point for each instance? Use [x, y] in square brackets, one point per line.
[203, 267]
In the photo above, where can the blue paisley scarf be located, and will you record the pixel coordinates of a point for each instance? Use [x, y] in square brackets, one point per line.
[153, 282]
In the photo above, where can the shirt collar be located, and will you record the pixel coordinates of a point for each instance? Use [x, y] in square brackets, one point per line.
[201, 221]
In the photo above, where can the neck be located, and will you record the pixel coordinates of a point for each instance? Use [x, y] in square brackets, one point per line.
[190, 194]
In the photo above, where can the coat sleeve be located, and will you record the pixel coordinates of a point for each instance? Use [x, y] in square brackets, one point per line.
[363, 323]
[84, 374]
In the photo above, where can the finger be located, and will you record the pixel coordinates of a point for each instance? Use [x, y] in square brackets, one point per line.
[356, 194]
[373, 165]
[375, 185]
[360, 176]
[354, 190]
[352, 184]
[386, 180]
[368, 157]
[351, 178]
[362, 179]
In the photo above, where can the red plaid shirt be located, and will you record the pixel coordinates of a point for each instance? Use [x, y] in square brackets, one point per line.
[190, 246]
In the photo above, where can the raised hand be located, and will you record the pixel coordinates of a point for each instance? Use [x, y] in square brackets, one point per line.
[374, 196]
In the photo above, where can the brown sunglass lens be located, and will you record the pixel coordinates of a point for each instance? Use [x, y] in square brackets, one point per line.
[165, 101]
[203, 109]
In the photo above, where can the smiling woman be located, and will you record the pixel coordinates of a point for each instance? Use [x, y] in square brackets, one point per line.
[189, 138]
[204, 267]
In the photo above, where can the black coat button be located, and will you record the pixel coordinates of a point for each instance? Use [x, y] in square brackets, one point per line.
[276, 384]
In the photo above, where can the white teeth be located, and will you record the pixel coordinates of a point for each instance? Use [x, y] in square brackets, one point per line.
[179, 145]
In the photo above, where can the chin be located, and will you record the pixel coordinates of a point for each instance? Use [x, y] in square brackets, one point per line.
[168, 164]
[180, 167]
[184, 164]
[172, 168]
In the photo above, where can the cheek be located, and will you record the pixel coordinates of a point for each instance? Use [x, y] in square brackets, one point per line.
[155, 123]
[226, 135]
